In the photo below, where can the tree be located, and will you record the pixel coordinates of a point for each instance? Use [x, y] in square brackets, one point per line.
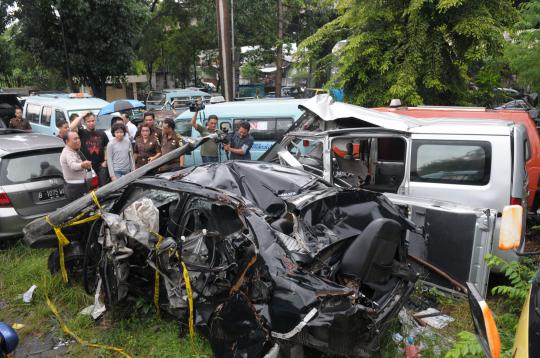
[523, 52]
[419, 51]
[100, 37]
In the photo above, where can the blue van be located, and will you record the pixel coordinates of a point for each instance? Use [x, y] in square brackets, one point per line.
[269, 119]
[174, 98]
[43, 111]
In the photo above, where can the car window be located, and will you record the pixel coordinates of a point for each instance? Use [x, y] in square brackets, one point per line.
[30, 166]
[156, 97]
[32, 113]
[180, 102]
[46, 114]
[451, 162]
[270, 129]
[59, 115]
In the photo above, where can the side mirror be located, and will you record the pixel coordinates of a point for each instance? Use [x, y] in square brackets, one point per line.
[511, 227]
[484, 323]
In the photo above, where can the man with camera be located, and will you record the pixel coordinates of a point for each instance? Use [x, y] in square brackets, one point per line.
[209, 149]
[240, 143]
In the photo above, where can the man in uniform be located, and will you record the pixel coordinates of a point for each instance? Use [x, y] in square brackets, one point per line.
[171, 140]
[209, 149]
[149, 119]
[18, 122]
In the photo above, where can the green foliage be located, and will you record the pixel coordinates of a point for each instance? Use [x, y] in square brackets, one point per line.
[99, 36]
[251, 72]
[423, 52]
[523, 52]
[519, 274]
[466, 346]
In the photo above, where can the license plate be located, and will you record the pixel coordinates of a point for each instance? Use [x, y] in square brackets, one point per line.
[51, 194]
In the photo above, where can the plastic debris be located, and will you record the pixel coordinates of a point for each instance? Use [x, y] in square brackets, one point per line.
[17, 326]
[397, 338]
[433, 317]
[97, 309]
[27, 296]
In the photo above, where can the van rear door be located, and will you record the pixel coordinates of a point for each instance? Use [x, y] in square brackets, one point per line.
[454, 238]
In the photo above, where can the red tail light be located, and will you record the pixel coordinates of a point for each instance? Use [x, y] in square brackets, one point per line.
[4, 200]
[306, 143]
[94, 182]
[515, 201]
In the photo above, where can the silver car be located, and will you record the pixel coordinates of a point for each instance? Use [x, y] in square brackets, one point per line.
[31, 182]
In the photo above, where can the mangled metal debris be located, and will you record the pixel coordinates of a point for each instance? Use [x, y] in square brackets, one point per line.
[276, 258]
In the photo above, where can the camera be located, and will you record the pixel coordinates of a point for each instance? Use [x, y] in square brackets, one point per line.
[196, 106]
[225, 137]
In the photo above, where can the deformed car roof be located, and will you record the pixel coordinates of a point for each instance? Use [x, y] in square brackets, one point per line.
[329, 110]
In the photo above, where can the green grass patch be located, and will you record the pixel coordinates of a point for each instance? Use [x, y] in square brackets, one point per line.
[139, 334]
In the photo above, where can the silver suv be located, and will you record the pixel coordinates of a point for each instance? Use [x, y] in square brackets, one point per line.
[31, 182]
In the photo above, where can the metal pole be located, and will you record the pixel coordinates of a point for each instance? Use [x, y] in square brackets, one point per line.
[68, 70]
[224, 33]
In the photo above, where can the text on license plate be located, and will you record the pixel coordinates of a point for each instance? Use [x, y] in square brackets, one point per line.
[51, 194]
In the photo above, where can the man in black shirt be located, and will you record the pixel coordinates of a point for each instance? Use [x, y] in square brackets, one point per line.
[93, 144]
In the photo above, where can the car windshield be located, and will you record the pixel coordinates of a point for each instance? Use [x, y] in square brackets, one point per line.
[30, 166]
[156, 97]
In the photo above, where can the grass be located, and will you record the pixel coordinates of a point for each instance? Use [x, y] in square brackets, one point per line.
[141, 335]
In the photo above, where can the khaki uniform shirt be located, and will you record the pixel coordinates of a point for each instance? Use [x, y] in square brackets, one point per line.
[168, 144]
[19, 124]
[146, 150]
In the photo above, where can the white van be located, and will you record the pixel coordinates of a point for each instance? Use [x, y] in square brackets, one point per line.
[44, 110]
[474, 163]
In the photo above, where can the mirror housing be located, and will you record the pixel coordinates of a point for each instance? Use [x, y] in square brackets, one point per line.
[511, 227]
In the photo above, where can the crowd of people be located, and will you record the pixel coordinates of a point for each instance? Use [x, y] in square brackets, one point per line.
[113, 153]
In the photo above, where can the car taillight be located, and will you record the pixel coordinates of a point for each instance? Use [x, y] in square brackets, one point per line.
[94, 182]
[515, 201]
[4, 200]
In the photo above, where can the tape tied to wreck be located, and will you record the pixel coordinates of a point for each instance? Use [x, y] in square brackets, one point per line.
[63, 240]
[156, 277]
[69, 332]
[190, 303]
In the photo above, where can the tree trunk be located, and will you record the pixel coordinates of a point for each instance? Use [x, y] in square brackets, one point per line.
[149, 69]
[279, 50]
[99, 87]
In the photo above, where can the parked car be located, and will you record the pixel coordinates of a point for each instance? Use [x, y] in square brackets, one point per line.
[174, 98]
[8, 102]
[44, 110]
[31, 181]
[458, 161]
[269, 119]
[532, 146]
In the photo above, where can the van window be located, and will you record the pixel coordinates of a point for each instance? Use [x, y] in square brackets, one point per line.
[46, 114]
[32, 113]
[156, 97]
[59, 115]
[266, 128]
[451, 162]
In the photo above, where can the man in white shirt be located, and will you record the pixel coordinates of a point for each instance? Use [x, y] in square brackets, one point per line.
[131, 128]
[73, 167]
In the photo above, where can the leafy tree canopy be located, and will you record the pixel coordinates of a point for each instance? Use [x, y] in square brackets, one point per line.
[421, 51]
[100, 36]
[523, 52]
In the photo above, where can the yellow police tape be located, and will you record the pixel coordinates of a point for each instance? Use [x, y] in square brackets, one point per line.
[69, 332]
[190, 303]
[62, 239]
[156, 279]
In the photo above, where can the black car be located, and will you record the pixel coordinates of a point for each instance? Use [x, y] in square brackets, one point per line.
[8, 103]
[277, 258]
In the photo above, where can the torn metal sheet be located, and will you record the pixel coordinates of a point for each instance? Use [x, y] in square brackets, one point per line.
[277, 259]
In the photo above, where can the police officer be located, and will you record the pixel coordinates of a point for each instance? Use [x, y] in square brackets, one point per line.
[170, 140]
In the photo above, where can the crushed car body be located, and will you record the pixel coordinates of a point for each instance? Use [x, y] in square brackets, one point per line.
[275, 257]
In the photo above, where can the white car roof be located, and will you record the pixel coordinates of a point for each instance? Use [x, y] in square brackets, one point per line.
[65, 102]
[327, 109]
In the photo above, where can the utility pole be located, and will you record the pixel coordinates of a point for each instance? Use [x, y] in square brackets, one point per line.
[279, 50]
[225, 53]
[66, 56]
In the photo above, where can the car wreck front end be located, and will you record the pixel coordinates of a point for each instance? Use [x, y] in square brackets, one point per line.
[260, 258]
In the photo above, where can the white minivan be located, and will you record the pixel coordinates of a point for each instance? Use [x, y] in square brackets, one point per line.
[45, 110]
[464, 164]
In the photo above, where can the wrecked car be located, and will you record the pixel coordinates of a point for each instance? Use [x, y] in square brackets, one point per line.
[277, 258]
[444, 173]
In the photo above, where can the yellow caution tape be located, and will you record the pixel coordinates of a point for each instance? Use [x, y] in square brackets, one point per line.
[190, 303]
[94, 196]
[63, 240]
[9, 355]
[69, 332]
[156, 279]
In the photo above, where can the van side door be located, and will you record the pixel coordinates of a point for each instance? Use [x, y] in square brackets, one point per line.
[453, 238]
